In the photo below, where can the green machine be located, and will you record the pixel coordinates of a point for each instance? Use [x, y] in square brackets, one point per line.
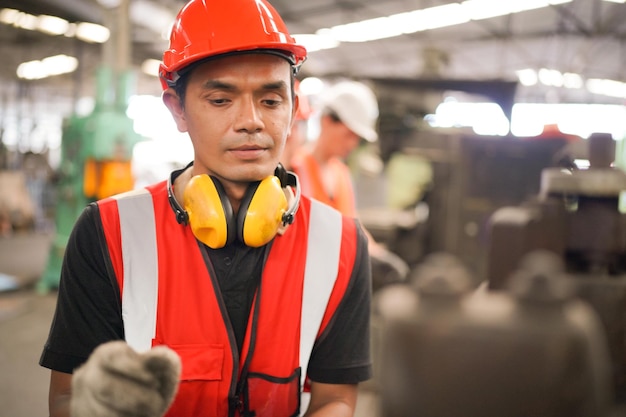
[96, 154]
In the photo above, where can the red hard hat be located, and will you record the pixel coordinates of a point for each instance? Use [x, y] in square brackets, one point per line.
[206, 28]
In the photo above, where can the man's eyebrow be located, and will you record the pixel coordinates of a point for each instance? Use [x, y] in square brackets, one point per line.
[218, 85]
[224, 86]
[278, 85]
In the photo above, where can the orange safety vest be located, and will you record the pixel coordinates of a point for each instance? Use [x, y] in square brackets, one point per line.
[170, 298]
[312, 184]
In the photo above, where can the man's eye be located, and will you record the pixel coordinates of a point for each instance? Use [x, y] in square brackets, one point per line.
[272, 103]
[218, 101]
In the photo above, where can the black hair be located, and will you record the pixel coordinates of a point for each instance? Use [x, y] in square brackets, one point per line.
[333, 115]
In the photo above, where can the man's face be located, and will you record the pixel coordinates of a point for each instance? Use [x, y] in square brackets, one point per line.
[238, 112]
[341, 140]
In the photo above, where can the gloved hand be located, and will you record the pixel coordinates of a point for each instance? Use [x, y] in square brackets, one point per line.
[387, 268]
[117, 381]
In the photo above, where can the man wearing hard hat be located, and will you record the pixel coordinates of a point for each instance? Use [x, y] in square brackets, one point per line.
[348, 115]
[219, 291]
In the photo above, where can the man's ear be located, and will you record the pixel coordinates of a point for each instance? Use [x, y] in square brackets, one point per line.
[173, 103]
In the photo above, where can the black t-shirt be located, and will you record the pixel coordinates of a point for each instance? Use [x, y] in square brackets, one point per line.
[89, 312]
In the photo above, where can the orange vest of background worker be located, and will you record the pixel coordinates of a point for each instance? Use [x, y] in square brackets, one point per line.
[349, 113]
[338, 194]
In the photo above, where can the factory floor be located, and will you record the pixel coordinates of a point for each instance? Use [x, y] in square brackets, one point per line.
[25, 316]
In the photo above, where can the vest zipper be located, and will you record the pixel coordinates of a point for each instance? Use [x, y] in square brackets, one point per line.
[234, 402]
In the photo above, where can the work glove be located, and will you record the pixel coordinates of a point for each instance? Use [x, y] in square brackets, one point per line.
[116, 381]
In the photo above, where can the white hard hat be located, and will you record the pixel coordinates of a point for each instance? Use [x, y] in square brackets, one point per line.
[355, 105]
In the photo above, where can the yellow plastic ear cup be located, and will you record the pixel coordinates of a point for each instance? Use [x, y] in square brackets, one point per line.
[208, 216]
[264, 214]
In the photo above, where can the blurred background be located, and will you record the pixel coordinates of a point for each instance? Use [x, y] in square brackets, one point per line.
[477, 99]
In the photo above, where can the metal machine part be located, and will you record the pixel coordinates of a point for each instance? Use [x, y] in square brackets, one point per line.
[96, 156]
[576, 216]
[534, 351]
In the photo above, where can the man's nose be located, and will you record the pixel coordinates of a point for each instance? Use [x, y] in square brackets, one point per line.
[248, 116]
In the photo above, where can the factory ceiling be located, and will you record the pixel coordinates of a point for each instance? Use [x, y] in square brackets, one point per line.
[584, 37]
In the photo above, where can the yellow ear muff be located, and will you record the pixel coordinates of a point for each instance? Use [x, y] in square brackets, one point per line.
[210, 213]
[260, 221]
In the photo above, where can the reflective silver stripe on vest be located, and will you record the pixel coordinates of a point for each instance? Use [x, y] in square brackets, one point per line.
[141, 279]
[320, 274]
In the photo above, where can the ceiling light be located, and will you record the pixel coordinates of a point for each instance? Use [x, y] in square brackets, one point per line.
[363, 31]
[527, 77]
[550, 77]
[484, 9]
[430, 18]
[9, 16]
[47, 67]
[26, 21]
[316, 42]
[52, 25]
[571, 80]
[610, 88]
[91, 32]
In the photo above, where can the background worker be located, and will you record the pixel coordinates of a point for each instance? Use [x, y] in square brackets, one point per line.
[215, 292]
[298, 133]
[348, 115]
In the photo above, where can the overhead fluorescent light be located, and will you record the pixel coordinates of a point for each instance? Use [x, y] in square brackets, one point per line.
[527, 77]
[550, 77]
[47, 67]
[9, 16]
[485, 9]
[52, 25]
[26, 21]
[430, 18]
[610, 88]
[316, 42]
[571, 80]
[554, 78]
[91, 32]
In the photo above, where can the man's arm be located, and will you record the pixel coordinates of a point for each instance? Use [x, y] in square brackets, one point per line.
[59, 394]
[336, 400]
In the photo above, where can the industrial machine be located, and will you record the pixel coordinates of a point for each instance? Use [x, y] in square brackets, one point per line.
[96, 150]
[96, 154]
[576, 216]
[542, 331]
[532, 351]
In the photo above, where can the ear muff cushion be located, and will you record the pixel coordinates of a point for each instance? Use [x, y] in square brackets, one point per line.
[211, 216]
[261, 212]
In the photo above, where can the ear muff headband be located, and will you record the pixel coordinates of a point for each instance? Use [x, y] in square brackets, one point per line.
[210, 214]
